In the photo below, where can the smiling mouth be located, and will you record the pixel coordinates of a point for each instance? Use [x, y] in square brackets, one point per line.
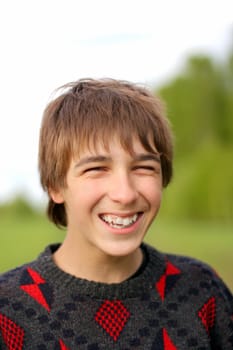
[119, 221]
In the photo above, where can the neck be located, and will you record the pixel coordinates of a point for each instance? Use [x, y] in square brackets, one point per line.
[96, 266]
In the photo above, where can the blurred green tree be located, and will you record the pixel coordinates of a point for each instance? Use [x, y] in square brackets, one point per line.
[18, 207]
[200, 106]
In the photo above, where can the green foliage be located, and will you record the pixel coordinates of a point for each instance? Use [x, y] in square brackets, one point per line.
[200, 106]
[18, 207]
[23, 238]
[202, 187]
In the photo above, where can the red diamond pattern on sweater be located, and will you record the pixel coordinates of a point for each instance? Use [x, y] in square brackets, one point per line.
[112, 316]
[207, 314]
[62, 345]
[12, 334]
[33, 289]
[167, 280]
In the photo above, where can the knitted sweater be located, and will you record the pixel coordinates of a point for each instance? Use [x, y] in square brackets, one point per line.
[173, 303]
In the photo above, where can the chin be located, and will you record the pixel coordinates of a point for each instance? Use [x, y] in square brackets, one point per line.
[121, 249]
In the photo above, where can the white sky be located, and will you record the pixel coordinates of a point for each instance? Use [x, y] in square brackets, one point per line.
[47, 43]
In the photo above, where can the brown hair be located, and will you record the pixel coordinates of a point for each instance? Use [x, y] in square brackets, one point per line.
[91, 111]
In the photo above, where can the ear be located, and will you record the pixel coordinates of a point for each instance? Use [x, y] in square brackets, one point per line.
[57, 196]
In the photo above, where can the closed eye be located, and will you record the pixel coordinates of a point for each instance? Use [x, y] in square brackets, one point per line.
[95, 169]
[147, 168]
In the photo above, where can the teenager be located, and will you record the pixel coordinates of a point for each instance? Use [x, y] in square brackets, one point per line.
[105, 155]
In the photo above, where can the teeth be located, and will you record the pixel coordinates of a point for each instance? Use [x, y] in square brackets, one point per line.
[119, 222]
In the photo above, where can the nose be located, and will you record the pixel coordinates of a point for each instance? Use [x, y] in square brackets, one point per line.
[123, 189]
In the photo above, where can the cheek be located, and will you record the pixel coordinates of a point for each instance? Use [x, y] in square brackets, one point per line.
[92, 192]
[85, 197]
[155, 197]
[151, 190]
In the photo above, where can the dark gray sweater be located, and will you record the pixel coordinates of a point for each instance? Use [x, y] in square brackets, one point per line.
[173, 302]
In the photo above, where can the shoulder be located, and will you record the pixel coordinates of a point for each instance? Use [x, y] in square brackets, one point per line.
[193, 267]
[184, 264]
[27, 274]
[196, 269]
[12, 279]
[194, 276]
[11, 276]
[11, 293]
[202, 279]
[24, 289]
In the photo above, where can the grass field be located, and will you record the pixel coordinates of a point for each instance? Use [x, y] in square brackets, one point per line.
[21, 240]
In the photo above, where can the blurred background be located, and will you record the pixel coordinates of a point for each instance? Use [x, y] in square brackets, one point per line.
[183, 51]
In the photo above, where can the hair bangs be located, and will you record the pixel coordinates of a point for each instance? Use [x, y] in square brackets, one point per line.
[99, 124]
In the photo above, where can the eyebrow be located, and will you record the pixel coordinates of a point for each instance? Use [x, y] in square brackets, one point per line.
[100, 158]
[148, 156]
[92, 159]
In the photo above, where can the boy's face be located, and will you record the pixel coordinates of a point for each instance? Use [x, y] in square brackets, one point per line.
[111, 198]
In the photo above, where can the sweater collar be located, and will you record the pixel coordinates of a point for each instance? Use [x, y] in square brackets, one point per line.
[138, 286]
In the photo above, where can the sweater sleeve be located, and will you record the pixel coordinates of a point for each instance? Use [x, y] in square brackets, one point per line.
[222, 332]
